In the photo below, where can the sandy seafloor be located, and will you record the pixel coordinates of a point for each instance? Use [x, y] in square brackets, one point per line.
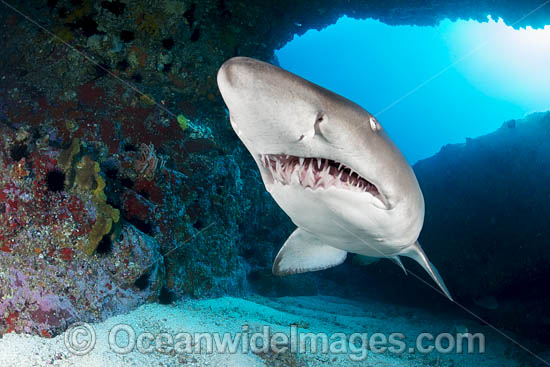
[311, 314]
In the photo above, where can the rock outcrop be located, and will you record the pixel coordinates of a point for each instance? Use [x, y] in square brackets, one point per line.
[486, 229]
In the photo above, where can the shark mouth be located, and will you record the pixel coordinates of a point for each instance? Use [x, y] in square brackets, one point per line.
[316, 173]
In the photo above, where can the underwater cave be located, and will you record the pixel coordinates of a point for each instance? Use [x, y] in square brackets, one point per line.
[437, 84]
[461, 90]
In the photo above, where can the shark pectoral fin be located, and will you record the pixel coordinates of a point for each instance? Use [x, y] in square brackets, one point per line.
[415, 252]
[303, 252]
[397, 260]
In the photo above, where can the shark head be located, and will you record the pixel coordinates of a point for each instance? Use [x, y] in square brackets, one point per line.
[310, 141]
[326, 161]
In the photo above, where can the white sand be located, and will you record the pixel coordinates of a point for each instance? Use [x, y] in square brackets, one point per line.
[311, 314]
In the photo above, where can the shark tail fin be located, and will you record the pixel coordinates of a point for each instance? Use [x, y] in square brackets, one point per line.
[303, 252]
[416, 253]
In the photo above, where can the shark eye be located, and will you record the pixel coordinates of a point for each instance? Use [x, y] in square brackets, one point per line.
[374, 125]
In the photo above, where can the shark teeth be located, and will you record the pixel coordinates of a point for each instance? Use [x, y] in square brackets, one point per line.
[315, 173]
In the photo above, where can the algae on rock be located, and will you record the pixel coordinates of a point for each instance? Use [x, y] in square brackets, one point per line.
[87, 178]
[84, 176]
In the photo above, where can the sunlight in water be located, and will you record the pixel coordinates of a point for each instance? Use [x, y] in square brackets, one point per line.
[512, 64]
[429, 86]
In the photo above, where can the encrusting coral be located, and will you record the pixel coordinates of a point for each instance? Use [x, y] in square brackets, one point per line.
[49, 229]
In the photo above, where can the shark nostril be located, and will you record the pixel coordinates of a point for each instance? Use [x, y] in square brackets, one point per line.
[320, 118]
[316, 127]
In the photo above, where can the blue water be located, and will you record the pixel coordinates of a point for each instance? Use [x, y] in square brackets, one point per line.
[429, 86]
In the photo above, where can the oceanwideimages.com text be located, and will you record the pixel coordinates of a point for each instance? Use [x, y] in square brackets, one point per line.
[80, 339]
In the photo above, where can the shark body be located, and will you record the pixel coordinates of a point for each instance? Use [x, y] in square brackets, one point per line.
[329, 164]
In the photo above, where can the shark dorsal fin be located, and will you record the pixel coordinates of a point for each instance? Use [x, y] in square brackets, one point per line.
[303, 252]
[416, 253]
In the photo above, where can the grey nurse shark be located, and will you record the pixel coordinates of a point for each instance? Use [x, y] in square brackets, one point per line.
[329, 165]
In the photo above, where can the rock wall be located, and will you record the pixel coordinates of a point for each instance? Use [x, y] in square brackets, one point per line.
[486, 230]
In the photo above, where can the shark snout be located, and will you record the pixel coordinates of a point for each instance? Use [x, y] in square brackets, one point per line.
[236, 82]
[235, 75]
[226, 74]
[267, 108]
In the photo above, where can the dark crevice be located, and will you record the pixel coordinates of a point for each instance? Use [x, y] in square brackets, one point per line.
[189, 15]
[167, 68]
[222, 8]
[143, 281]
[123, 65]
[112, 173]
[115, 203]
[87, 25]
[143, 194]
[249, 253]
[127, 36]
[168, 43]
[62, 12]
[128, 147]
[198, 225]
[19, 151]
[254, 276]
[195, 35]
[166, 296]
[55, 179]
[142, 225]
[126, 182]
[105, 246]
[116, 7]
[101, 70]
[52, 4]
